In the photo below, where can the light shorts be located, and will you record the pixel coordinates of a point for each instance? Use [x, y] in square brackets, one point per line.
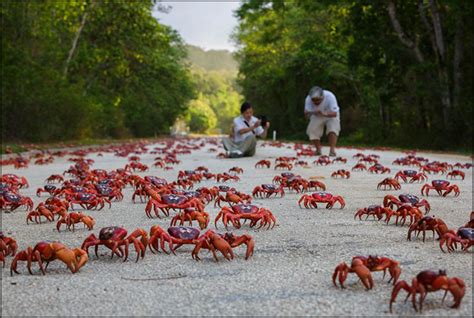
[316, 126]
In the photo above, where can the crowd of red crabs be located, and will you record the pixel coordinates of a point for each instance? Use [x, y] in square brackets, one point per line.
[88, 189]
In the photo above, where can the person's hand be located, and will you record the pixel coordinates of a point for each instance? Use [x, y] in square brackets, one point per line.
[267, 125]
[257, 124]
[319, 113]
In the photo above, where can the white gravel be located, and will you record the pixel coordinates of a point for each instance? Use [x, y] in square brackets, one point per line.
[289, 274]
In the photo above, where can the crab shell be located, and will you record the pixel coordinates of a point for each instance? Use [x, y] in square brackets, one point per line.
[112, 233]
[184, 232]
[322, 195]
[174, 199]
[245, 208]
[269, 187]
[439, 184]
[409, 198]
[409, 173]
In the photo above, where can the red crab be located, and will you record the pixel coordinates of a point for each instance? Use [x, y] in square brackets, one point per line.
[377, 211]
[236, 170]
[390, 201]
[263, 163]
[14, 180]
[70, 219]
[341, 173]
[49, 188]
[8, 246]
[172, 201]
[432, 168]
[284, 165]
[440, 186]
[13, 201]
[224, 243]
[180, 235]
[359, 167]
[48, 252]
[311, 200]
[233, 197]
[246, 212]
[226, 177]
[428, 223]
[55, 178]
[430, 281]
[463, 236]
[456, 173]
[322, 161]
[115, 238]
[43, 210]
[404, 211]
[363, 265]
[339, 160]
[190, 175]
[89, 201]
[389, 183]
[191, 214]
[283, 177]
[135, 165]
[301, 163]
[378, 168]
[368, 159]
[412, 174]
[268, 190]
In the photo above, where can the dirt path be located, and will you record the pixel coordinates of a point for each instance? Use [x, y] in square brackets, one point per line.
[289, 274]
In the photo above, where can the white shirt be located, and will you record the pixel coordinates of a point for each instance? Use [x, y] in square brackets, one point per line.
[329, 104]
[239, 123]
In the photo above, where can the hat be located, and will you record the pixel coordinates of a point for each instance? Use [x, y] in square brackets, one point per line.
[316, 92]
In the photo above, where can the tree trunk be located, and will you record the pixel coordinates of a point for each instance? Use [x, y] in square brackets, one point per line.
[392, 12]
[442, 67]
[457, 59]
[74, 42]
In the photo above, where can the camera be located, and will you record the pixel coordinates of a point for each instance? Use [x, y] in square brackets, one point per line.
[264, 120]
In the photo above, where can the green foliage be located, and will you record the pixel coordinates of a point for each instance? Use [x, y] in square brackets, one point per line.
[126, 75]
[201, 116]
[351, 48]
[211, 60]
[218, 92]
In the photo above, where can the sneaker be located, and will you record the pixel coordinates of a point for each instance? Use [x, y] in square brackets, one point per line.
[332, 154]
[236, 154]
[318, 153]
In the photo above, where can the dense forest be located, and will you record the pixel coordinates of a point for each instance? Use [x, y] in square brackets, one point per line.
[77, 69]
[214, 73]
[401, 70]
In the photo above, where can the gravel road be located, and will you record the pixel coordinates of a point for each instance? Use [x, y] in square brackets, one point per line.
[289, 274]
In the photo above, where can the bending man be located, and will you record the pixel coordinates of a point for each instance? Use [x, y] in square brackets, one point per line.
[322, 110]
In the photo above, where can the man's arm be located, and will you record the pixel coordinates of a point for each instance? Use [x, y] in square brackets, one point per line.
[264, 134]
[329, 114]
[247, 129]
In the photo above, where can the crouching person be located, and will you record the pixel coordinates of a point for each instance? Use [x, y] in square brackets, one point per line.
[246, 128]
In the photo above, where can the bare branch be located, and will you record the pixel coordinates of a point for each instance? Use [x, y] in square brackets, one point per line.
[392, 12]
[438, 30]
[76, 39]
[426, 23]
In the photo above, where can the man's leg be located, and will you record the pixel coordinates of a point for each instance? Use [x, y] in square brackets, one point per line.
[229, 145]
[315, 132]
[317, 144]
[332, 143]
[249, 146]
[333, 127]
